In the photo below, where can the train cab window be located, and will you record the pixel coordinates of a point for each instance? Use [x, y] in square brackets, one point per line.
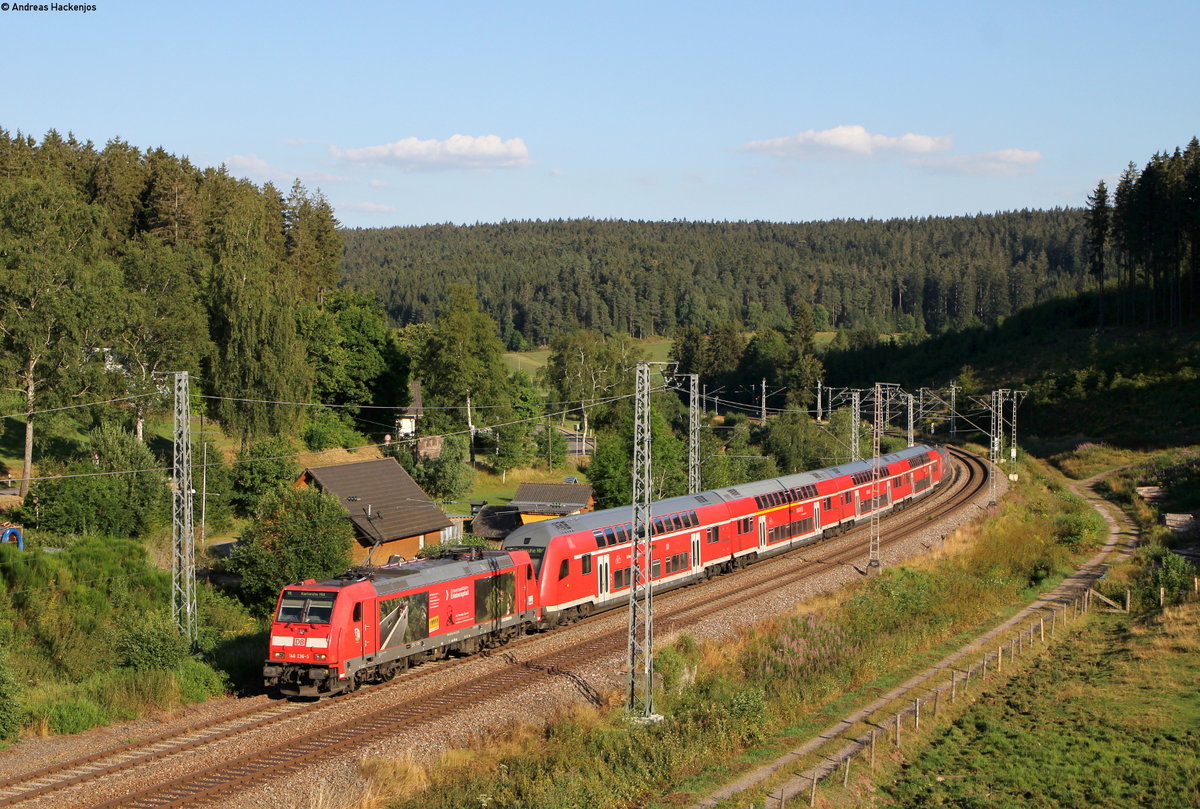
[587, 563]
[529, 572]
[564, 569]
[357, 612]
[305, 607]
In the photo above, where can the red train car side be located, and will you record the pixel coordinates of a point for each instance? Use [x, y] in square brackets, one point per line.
[582, 561]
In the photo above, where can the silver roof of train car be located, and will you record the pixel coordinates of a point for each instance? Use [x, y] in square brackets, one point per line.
[539, 533]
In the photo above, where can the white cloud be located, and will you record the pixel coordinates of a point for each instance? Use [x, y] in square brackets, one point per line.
[1003, 163]
[377, 184]
[456, 152]
[847, 141]
[367, 207]
[252, 165]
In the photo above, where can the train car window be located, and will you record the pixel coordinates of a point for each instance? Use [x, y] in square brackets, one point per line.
[658, 526]
[656, 569]
[678, 522]
[683, 557]
[564, 569]
[587, 563]
[713, 534]
[598, 535]
[610, 537]
[849, 498]
[829, 504]
[695, 518]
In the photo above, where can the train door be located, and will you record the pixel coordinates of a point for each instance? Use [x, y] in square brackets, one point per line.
[817, 516]
[603, 577]
[762, 531]
[359, 643]
[696, 562]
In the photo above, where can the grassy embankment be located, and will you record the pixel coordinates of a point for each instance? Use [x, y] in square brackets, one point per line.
[732, 705]
[1108, 718]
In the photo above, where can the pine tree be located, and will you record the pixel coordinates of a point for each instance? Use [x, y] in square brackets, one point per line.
[1098, 223]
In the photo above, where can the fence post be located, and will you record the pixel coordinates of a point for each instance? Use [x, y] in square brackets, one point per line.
[1053, 621]
[937, 695]
[872, 749]
[897, 728]
[1126, 599]
[984, 674]
[1000, 658]
[917, 713]
[1162, 597]
[846, 774]
[1042, 628]
[812, 796]
[953, 685]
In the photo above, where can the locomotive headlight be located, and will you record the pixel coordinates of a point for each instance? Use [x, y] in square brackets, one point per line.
[278, 655]
[319, 656]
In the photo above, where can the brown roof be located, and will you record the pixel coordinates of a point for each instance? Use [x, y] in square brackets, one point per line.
[384, 502]
[553, 497]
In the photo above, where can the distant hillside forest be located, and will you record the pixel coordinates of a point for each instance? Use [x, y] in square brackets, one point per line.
[541, 279]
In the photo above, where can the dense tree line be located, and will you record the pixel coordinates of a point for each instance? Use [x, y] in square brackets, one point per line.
[1147, 238]
[541, 279]
[118, 263]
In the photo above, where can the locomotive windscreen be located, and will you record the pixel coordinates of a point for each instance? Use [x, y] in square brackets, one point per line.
[305, 607]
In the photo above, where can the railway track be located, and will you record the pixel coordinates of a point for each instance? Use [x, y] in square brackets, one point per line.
[249, 768]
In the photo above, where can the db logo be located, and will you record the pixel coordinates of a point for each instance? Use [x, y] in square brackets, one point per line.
[300, 642]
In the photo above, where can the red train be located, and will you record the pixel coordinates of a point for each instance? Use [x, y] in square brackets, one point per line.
[367, 625]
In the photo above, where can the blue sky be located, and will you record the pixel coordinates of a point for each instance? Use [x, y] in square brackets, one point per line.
[407, 114]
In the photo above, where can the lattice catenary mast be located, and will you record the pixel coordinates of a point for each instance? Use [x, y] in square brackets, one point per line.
[183, 526]
[640, 694]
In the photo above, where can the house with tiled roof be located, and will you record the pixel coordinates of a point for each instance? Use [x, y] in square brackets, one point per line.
[533, 502]
[387, 508]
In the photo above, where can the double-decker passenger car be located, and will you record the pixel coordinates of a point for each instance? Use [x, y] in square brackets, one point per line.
[583, 561]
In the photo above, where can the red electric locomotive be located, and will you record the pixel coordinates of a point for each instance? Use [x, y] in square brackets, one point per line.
[369, 624]
[583, 561]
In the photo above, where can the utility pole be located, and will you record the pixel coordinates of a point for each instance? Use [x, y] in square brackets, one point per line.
[911, 419]
[855, 426]
[953, 409]
[693, 433]
[183, 527]
[873, 556]
[764, 401]
[639, 702]
[818, 400]
[471, 427]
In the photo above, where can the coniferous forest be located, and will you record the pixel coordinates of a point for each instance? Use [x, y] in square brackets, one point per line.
[539, 279]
